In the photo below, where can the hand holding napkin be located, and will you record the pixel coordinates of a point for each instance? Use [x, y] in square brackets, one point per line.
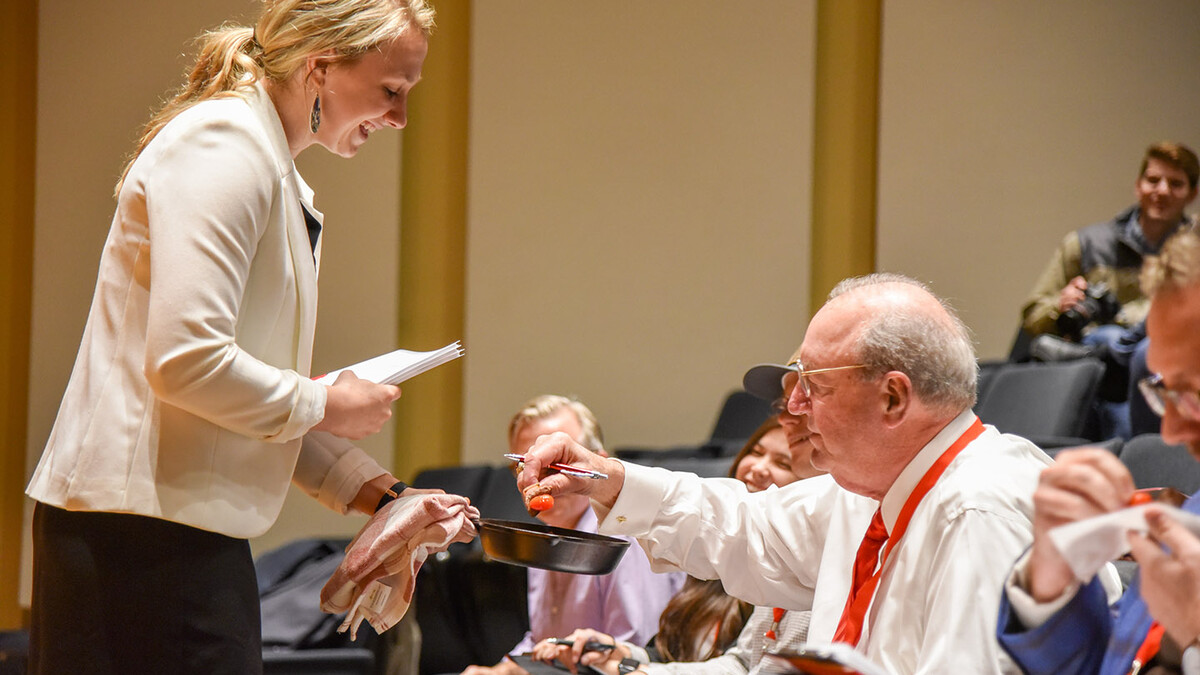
[376, 579]
[1087, 544]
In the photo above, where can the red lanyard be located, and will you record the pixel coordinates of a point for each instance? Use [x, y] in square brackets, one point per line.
[777, 616]
[849, 628]
[1148, 649]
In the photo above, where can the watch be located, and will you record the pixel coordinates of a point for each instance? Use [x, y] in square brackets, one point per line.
[1189, 661]
[390, 494]
[627, 666]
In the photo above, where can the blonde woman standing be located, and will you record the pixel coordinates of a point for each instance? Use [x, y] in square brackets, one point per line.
[190, 410]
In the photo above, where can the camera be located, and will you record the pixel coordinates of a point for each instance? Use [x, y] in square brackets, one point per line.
[1099, 305]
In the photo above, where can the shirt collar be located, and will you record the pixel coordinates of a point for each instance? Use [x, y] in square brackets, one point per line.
[904, 484]
[1131, 230]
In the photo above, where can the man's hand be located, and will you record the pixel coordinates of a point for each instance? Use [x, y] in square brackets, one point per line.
[561, 448]
[1071, 294]
[356, 408]
[1080, 484]
[1171, 578]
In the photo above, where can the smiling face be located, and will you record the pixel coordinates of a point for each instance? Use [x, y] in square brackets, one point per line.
[767, 463]
[1163, 192]
[367, 94]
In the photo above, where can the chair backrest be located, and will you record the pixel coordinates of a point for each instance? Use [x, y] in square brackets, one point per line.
[1153, 463]
[1054, 446]
[741, 414]
[1041, 399]
[987, 373]
[705, 467]
[470, 609]
[501, 499]
[290, 579]
[1019, 352]
[468, 481]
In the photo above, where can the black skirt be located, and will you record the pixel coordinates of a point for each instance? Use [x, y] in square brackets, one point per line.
[127, 594]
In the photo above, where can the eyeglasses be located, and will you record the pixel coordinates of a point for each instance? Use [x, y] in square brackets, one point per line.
[1157, 395]
[804, 386]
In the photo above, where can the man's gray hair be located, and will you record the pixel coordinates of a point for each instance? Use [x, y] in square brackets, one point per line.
[549, 405]
[936, 352]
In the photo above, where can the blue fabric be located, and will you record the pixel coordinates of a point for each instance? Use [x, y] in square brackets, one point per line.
[1085, 637]
[1121, 347]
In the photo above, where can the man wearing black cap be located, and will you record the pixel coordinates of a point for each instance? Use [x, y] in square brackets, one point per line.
[901, 551]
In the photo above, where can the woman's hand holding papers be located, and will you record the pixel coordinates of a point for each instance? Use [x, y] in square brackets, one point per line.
[356, 408]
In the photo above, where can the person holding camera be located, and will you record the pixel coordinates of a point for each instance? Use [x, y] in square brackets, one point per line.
[1087, 302]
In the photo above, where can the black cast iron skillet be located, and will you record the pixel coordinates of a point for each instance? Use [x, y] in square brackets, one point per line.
[549, 548]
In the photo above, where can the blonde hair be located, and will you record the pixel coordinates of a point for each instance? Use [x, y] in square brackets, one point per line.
[549, 405]
[1176, 265]
[232, 58]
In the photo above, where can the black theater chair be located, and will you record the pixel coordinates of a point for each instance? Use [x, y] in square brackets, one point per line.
[471, 610]
[298, 638]
[1047, 403]
[741, 414]
[1153, 463]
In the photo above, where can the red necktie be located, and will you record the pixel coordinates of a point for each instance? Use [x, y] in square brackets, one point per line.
[848, 631]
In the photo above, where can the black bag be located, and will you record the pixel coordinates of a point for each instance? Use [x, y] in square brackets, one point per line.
[290, 579]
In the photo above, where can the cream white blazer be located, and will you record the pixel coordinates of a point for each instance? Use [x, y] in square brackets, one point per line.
[190, 398]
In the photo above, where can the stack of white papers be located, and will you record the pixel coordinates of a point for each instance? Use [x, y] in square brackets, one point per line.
[398, 366]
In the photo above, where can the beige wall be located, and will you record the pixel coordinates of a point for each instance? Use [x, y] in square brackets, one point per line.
[638, 208]
[639, 184]
[1007, 124]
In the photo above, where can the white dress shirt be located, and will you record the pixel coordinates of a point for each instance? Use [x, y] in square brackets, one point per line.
[190, 398]
[936, 605]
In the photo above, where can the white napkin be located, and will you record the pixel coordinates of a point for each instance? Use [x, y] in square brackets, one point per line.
[1088, 544]
[376, 579]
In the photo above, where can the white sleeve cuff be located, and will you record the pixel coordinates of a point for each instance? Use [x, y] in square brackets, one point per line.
[637, 504]
[333, 470]
[1030, 612]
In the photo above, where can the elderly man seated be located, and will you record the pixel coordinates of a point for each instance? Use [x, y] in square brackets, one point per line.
[901, 551]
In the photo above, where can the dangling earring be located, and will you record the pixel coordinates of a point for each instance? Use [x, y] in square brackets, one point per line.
[314, 120]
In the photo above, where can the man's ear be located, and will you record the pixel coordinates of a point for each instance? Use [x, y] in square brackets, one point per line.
[897, 396]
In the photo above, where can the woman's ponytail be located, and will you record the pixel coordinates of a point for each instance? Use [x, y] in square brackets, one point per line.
[228, 64]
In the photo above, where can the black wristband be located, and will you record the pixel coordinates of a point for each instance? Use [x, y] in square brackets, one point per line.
[391, 494]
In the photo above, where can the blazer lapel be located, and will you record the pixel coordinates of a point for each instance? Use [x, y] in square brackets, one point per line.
[296, 195]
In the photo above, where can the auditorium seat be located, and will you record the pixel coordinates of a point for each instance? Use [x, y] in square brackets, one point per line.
[1153, 463]
[1045, 402]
